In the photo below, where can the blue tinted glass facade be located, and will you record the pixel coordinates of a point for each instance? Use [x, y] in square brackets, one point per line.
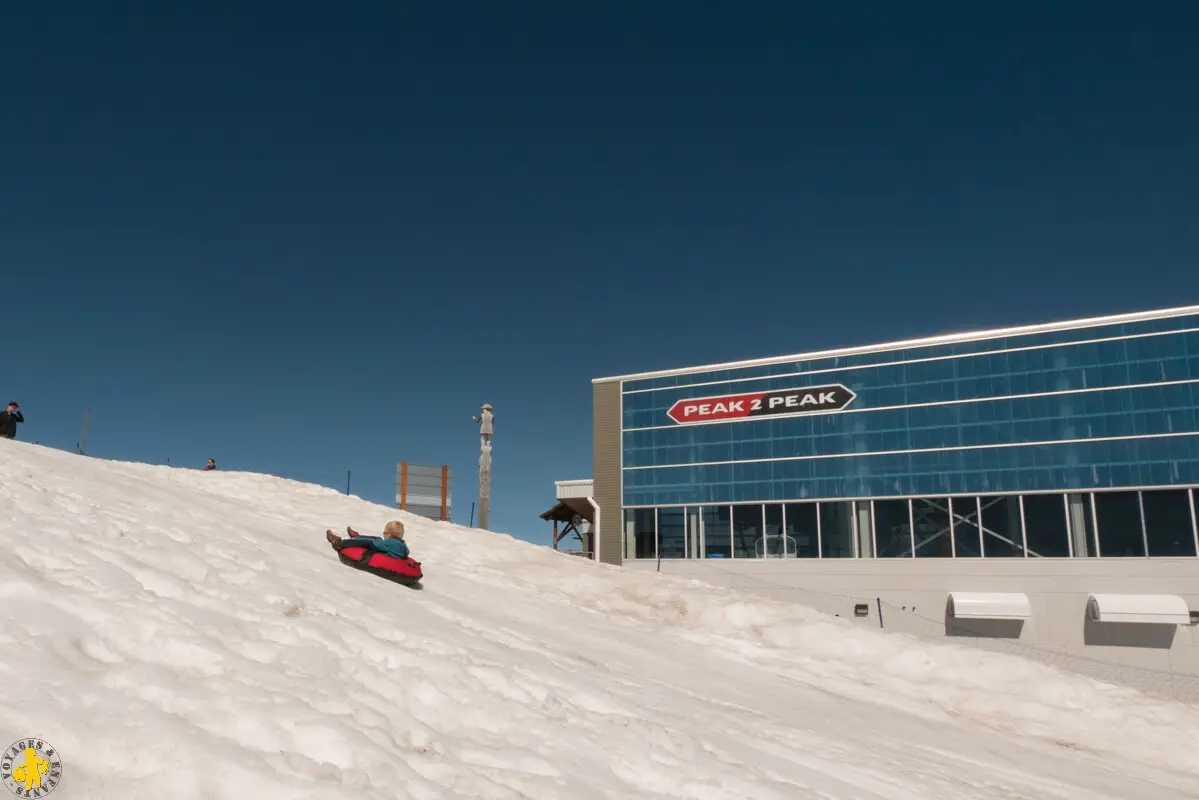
[1027, 413]
[922, 352]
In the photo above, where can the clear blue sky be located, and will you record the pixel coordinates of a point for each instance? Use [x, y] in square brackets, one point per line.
[308, 238]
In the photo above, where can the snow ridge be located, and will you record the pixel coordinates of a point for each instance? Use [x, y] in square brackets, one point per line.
[182, 634]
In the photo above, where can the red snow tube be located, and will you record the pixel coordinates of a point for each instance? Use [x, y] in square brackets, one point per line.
[401, 570]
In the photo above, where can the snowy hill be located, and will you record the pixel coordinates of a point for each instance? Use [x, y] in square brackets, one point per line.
[182, 634]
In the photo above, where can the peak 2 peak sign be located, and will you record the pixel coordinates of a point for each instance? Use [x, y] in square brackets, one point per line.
[775, 403]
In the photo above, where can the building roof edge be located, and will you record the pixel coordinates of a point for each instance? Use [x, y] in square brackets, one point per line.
[968, 336]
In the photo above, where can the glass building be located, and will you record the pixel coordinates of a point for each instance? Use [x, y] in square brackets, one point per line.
[1067, 440]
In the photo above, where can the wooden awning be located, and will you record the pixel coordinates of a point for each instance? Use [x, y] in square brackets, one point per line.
[560, 513]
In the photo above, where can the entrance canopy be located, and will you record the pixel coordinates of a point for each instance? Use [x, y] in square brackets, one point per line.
[574, 508]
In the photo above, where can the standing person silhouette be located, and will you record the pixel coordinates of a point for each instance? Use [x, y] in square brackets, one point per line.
[9, 419]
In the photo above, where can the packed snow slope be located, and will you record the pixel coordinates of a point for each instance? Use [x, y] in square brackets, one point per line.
[180, 634]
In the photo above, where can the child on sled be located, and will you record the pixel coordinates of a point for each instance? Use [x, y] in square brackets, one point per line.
[391, 543]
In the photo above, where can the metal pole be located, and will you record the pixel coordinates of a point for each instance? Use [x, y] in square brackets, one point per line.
[83, 442]
[347, 481]
[472, 515]
[485, 421]
[445, 488]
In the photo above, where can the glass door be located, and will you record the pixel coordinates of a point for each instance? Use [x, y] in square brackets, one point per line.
[774, 534]
[716, 527]
[672, 535]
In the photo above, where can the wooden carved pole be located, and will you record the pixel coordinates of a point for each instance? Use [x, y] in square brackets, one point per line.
[486, 421]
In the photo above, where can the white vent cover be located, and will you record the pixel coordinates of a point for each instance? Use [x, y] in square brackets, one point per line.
[989, 605]
[1162, 609]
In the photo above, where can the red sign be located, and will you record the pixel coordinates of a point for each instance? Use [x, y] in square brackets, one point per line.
[773, 403]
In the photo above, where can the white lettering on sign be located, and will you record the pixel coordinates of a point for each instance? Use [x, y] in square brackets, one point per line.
[723, 407]
[781, 402]
[801, 400]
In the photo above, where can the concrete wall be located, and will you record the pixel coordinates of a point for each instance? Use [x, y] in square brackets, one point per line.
[606, 470]
[913, 593]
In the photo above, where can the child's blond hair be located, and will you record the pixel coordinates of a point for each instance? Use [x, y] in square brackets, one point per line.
[393, 530]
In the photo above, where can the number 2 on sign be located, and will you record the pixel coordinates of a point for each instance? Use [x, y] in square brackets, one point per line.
[757, 404]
